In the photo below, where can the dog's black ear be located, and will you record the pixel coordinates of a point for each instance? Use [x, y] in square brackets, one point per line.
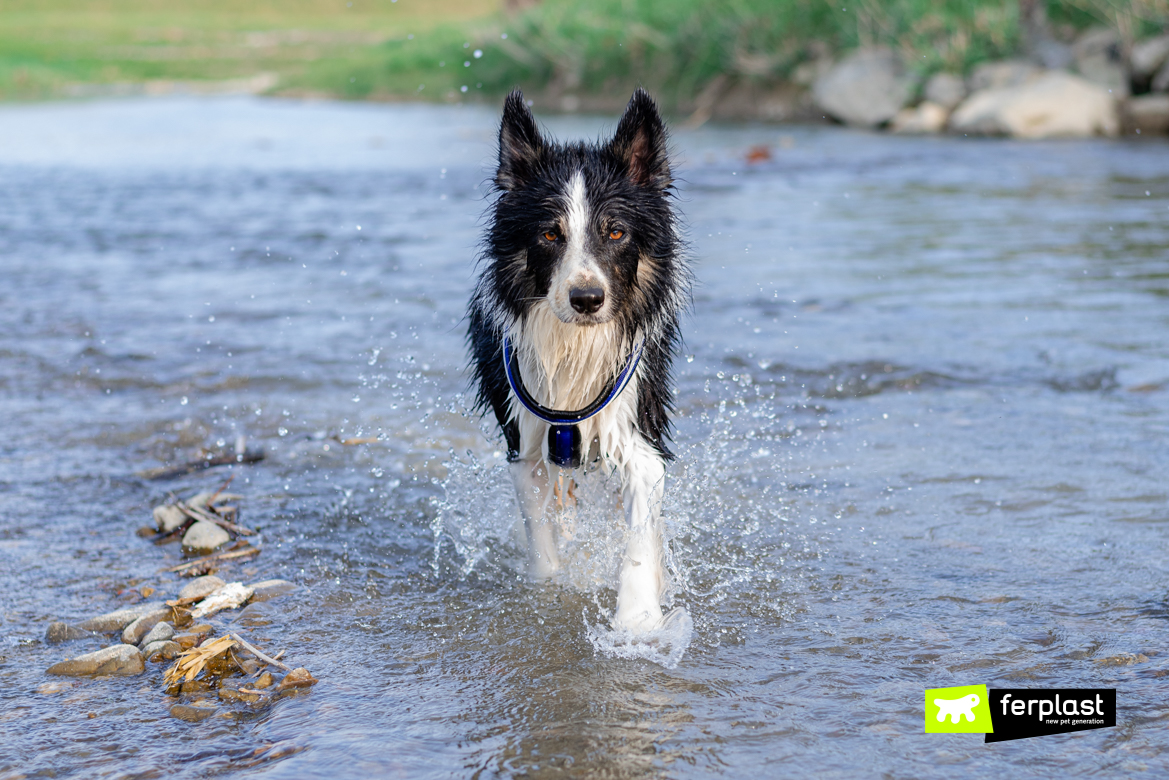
[520, 144]
[640, 143]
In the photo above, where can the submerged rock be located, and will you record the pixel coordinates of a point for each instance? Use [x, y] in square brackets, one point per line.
[267, 590]
[123, 660]
[1054, 104]
[133, 633]
[116, 621]
[201, 587]
[297, 678]
[867, 88]
[169, 518]
[160, 633]
[204, 537]
[63, 632]
[162, 650]
[192, 713]
[265, 680]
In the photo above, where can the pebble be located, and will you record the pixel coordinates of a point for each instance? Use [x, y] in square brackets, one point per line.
[297, 678]
[162, 650]
[230, 596]
[116, 621]
[168, 518]
[201, 587]
[192, 713]
[160, 633]
[270, 589]
[229, 690]
[134, 632]
[50, 688]
[265, 681]
[204, 537]
[63, 632]
[122, 660]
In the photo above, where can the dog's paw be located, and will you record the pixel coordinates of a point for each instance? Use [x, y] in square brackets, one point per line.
[663, 641]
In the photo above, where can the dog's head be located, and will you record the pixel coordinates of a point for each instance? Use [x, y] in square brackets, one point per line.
[583, 227]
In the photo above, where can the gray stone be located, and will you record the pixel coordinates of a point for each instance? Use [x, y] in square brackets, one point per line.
[270, 589]
[63, 632]
[116, 621]
[1053, 54]
[168, 518]
[1149, 56]
[1054, 104]
[163, 650]
[1099, 60]
[945, 89]
[867, 88]
[1149, 113]
[160, 633]
[204, 537]
[1003, 73]
[122, 660]
[201, 587]
[192, 713]
[133, 633]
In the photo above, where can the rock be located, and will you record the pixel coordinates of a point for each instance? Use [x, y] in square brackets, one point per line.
[122, 660]
[162, 650]
[1054, 104]
[204, 537]
[1053, 54]
[265, 681]
[1149, 113]
[928, 117]
[1148, 57]
[1099, 60]
[1160, 82]
[230, 596]
[169, 518]
[51, 688]
[160, 633]
[867, 88]
[187, 641]
[63, 632]
[945, 89]
[133, 633]
[200, 588]
[267, 590]
[116, 621]
[297, 678]
[192, 713]
[229, 690]
[1003, 73]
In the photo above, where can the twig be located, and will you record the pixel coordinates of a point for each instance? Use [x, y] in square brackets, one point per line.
[223, 487]
[235, 552]
[170, 472]
[198, 514]
[258, 654]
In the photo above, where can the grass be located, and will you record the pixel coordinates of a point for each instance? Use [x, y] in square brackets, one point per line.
[457, 49]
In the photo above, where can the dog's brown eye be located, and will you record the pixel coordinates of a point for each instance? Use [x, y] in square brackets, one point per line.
[551, 236]
[616, 234]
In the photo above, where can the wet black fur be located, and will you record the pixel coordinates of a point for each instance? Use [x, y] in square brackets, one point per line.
[629, 186]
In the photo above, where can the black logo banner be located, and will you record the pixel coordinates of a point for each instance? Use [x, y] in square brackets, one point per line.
[1019, 713]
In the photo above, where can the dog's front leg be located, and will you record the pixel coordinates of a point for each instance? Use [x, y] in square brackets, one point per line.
[534, 490]
[640, 582]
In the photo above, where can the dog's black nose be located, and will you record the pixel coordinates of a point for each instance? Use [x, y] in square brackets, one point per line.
[586, 300]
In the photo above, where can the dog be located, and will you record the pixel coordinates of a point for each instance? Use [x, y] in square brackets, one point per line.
[573, 326]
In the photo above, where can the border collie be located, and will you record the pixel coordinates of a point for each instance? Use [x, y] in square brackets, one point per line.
[573, 327]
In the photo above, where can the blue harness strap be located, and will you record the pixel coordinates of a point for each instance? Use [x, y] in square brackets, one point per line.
[564, 440]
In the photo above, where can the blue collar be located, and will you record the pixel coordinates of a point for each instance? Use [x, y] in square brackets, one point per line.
[559, 416]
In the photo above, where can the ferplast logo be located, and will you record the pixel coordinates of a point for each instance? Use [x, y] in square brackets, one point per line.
[961, 710]
[1004, 714]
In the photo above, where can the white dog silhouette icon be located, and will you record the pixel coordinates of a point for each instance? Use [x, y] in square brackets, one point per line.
[957, 708]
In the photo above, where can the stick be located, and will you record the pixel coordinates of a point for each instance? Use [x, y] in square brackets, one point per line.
[223, 487]
[258, 654]
[198, 514]
[223, 556]
[170, 472]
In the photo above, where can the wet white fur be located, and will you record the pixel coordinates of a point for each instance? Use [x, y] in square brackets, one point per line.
[578, 268]
[565, 365]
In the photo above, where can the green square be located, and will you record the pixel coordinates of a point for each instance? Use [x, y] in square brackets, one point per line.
[968, 704]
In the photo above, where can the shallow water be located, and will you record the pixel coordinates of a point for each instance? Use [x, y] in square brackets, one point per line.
[922, 433]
